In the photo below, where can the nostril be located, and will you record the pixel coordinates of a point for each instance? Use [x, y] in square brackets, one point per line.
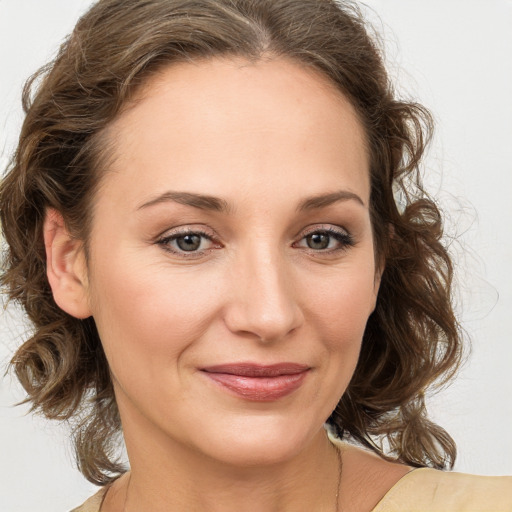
[249, 319]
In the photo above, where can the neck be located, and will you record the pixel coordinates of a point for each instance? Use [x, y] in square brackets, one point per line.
[179, 479]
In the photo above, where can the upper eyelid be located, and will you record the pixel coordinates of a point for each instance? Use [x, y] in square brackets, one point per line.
[325, 228]
[322, 227]
[209, 233]
[178, 231]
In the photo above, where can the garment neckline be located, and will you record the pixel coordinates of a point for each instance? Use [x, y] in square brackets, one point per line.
[396, 486]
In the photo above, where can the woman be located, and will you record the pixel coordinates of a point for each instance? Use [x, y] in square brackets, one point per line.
[202, 227]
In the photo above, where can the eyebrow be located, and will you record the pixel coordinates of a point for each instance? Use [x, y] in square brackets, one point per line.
[324, 200]
[206, 202]
[203, 202]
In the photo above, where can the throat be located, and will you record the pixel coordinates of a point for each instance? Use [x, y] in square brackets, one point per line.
[298, 485]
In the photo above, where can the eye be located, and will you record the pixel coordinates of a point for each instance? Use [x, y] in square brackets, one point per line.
[187, 243]
[319, 241]
[326, 240]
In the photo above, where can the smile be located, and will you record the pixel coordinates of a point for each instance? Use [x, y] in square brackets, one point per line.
[256, 382]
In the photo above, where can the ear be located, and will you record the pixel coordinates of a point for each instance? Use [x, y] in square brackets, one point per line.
[379, 269]
[65, 266]
[380, 265]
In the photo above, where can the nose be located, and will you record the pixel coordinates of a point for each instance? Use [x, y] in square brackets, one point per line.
[263, 300]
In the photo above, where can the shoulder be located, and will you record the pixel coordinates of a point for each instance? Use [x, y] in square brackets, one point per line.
[432, 490]
[93, 504]
[383, 486]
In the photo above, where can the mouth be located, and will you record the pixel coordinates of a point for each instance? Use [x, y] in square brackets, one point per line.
[259, 383]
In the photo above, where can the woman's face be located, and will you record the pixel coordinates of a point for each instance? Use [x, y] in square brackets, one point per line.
[232, 265]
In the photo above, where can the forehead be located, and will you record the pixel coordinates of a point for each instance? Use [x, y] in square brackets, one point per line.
[209, 125]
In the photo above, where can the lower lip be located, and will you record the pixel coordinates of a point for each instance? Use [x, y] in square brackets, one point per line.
[259, 389]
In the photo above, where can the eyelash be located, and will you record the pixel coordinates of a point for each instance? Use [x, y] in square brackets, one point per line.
[165, 242]
[344, 239]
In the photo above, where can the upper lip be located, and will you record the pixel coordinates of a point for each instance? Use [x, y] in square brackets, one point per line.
[257, 370]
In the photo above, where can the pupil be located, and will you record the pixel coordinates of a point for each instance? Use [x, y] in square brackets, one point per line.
[318, 241]
[189, 242]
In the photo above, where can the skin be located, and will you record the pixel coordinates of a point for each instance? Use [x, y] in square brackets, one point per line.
[267, 140]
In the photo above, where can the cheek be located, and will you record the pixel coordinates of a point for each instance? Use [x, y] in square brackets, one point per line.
[344, 303]
[145, 312]
[337, 315]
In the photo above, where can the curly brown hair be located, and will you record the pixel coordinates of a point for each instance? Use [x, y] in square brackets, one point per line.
[412, 342]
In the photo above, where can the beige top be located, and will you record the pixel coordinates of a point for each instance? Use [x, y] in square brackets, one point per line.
[422, 490]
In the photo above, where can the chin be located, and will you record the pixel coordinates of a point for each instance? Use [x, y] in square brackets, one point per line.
[254, 441]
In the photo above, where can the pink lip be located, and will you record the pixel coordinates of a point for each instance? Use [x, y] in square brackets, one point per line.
[260, 383]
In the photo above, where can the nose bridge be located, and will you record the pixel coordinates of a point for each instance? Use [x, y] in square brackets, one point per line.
[266, 303]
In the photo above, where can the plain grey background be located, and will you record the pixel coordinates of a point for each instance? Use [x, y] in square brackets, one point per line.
[454, 56]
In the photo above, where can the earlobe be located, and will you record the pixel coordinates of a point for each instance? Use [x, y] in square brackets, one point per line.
[65, 266]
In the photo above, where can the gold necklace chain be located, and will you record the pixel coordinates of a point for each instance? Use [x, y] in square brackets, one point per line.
[338, 484]
[340, 471]
[127, 489]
